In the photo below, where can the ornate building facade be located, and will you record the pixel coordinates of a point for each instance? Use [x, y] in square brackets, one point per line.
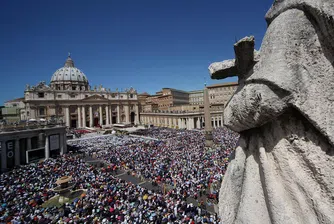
[70, 98]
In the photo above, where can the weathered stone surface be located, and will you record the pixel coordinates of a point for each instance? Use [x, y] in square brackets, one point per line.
[283, 168]
[244, 55]
[224, 69]
[246, 58]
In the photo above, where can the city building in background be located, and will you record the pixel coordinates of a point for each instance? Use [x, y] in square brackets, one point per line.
[142, 100]
[169, 97]
[221, 93]
[70, 98]
[196, 97]
[179, 109]
[1, 117]
[13, 110]
[164, 99]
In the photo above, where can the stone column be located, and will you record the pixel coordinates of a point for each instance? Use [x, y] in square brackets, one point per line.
[118, 114]
[79, 117]
[207, 117]
[214, 122]
[127, 116]
[191, 123]
[186, 120]
[198, 123]
[166, 122]
[110, 112]
[170, 122]
[91, 116]
[101, 115]
[17, 152]
[222, 119]
[107, 115]
[83, 116]
[67, 116]
[3, 155]
[137, 114]
[47, 150]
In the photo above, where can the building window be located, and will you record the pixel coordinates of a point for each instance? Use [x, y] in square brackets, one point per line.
[86, 96]
[41, 111]
[40, 95]
[72, 96]
[131, 95]
[59, 96]
[103, 96]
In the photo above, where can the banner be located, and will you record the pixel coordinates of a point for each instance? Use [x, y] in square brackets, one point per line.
[54, 142]
[10, 145]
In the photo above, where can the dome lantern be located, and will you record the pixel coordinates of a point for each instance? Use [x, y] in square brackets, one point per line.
[69, 62]
[69, 77]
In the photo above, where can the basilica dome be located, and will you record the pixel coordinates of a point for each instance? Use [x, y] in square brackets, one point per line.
[69, 74]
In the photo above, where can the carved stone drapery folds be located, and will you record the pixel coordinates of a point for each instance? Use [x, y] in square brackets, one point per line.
[283, 167]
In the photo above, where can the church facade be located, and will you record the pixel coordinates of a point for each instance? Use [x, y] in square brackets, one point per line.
[69, 98]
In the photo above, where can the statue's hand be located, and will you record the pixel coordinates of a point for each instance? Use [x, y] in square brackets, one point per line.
[252, 106]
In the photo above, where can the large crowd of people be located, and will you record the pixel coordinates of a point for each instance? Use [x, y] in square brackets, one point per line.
[177, 159]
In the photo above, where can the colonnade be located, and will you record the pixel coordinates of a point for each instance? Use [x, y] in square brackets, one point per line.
[180, 122]
[105, 115]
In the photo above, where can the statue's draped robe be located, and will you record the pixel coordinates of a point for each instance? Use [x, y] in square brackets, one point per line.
[283, 170]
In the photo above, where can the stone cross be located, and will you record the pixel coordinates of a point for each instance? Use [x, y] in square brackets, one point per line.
[245, 58]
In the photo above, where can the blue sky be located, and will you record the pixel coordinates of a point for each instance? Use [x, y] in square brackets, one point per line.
[144, 44]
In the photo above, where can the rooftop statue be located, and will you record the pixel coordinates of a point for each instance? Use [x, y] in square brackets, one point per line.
[283, 168]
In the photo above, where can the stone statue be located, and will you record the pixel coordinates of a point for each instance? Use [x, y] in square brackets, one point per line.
[283, 168]
[95, 88]
[27, 87]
